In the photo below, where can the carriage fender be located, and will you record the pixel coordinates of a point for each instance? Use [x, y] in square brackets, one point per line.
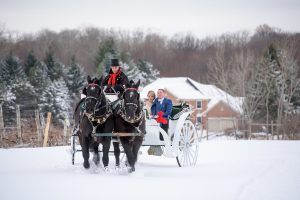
[179, 125]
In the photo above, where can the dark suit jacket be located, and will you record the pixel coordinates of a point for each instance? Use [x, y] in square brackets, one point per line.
[165, 107]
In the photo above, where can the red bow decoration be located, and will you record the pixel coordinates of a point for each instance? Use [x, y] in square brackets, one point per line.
[160, 118]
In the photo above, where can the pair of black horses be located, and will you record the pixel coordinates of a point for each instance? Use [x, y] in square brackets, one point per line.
[100, 116]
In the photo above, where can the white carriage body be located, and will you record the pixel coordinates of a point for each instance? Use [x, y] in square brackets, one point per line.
[170, 140]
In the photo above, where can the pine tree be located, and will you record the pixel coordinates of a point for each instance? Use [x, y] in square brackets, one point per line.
[131, 70]
[142, 71]
[107, 50]
[38, 76]
[105, 64]
[267, 110]
[147, 72]
[74, 78]
[55, 68]
[30, 62]
[62, 101]
[56, 99]
[287, 83]
[11, 69]
[19, 90]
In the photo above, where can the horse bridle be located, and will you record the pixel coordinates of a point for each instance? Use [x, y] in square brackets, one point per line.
[100, 119]
[94, 98]
[122, 112]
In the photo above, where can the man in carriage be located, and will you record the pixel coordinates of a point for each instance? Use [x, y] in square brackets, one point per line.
[161, 109]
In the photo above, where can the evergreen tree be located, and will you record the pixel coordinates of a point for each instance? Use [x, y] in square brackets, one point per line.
[11, 69]
[56, 99]
[267, 110]
[105, 64]
[18, 89]
[147, 72]
[30, 62]
[287, 82]
[107, 50]
[62, 101]
[55, 68]
[74, 78]
[142, 71]
[25, 93]
[38, 77]
[131, 70]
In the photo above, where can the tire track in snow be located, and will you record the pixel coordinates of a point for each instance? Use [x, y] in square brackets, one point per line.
[254, 178]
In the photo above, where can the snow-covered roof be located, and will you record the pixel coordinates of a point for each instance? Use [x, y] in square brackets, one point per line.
[177, 86]
[216, 95]
[187, 89]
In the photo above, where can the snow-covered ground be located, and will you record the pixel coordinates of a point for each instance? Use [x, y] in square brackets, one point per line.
[267, 170]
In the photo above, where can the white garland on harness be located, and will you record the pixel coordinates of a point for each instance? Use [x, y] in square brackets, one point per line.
[136, 119]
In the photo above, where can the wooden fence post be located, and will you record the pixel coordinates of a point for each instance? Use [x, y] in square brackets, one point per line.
[47, 129]
[66, 125]
[250, 130]
[1, 126]
[19, 125]
[207, 129]
[38, 126]
[272, 129]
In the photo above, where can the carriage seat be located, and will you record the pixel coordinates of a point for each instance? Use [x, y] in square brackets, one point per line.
[178, 110]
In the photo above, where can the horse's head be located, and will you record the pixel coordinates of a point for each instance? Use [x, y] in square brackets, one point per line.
[93, 92]
[131, 98]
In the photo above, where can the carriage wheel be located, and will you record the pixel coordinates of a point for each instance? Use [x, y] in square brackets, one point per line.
[73, 148]
[188, 145]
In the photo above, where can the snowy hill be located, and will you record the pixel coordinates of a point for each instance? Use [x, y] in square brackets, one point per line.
[267, 170]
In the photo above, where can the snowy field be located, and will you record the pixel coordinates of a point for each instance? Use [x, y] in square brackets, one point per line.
[267, 170]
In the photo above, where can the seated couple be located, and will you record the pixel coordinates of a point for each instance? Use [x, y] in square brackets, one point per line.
[159, 108]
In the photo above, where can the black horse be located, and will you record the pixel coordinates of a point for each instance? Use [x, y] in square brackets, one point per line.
[94, 115]
[129, 118]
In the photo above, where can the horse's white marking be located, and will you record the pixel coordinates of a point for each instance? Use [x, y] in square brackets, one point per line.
[131, 94]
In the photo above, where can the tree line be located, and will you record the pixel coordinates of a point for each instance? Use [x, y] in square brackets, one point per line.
[263, 67]
[52, 86]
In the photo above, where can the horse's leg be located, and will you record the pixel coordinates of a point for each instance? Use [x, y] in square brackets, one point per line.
[96, 157]
[137, 143]
[106, 146]
[85, 151]
[128, 151]
[117, 153]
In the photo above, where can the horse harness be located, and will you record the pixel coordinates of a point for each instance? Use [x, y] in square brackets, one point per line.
[96, 120]
[119, 109]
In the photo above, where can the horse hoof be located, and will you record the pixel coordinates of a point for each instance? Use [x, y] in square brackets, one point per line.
[106, 169]
[131, 169]
[96, 161]
[86, 165]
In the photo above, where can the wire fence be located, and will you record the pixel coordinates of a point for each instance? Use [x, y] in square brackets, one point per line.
[20, 127]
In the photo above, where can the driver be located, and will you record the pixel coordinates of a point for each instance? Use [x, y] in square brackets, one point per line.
[116, 79]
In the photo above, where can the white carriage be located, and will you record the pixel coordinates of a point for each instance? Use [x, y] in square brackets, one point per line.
[181, 141]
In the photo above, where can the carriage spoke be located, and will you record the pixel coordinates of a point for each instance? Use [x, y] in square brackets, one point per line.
[183, 158]
[192, 156]
[187, 157]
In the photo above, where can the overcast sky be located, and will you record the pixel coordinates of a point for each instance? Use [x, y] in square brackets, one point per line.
[200, 17]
